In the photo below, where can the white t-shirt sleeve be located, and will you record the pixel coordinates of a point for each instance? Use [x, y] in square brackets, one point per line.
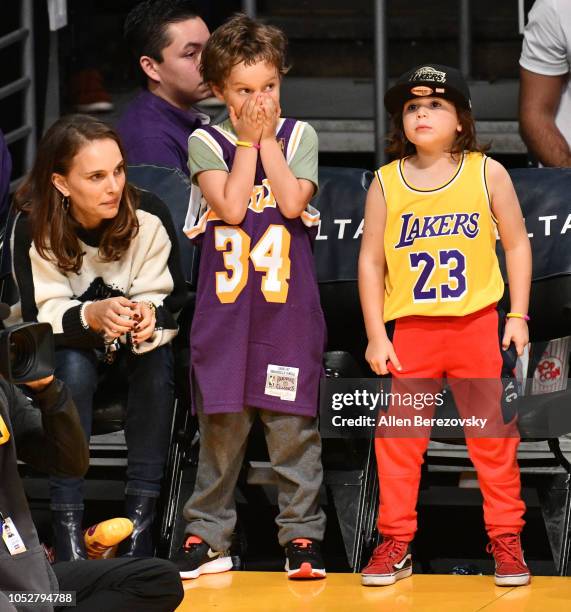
[545, 47]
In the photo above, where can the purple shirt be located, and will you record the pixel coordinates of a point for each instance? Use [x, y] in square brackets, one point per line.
[153, 131]
[258, 337]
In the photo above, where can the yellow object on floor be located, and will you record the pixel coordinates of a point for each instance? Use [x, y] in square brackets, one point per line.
[272, 592]
[101, 539]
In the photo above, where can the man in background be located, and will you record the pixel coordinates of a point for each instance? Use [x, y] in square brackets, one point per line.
[166, 37]
[545, 89]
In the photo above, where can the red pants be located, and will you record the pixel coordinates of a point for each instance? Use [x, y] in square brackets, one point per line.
[458, 348]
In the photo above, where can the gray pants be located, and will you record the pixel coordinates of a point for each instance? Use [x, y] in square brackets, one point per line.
[294, 447]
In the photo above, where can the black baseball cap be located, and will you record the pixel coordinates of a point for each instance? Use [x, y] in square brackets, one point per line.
[428, 80]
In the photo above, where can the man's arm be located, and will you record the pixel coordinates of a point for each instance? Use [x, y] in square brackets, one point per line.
[539, 98]
[48, 433]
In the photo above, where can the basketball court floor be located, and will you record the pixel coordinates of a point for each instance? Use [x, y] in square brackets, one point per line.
[272, 592]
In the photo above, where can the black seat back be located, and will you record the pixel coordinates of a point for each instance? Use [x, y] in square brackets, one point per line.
[173, 188]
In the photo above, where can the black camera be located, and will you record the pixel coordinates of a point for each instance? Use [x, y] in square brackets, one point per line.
[27, 352]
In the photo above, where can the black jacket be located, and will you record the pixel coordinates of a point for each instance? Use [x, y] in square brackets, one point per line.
[48, 435]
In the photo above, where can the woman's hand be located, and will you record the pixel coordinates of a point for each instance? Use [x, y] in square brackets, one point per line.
[146, 321]
[248, 126]
[379, 351]
[112, 317]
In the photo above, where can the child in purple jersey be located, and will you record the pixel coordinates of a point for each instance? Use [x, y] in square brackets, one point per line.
[258, 334]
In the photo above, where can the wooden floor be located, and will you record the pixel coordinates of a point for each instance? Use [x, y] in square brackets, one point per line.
[272, 592]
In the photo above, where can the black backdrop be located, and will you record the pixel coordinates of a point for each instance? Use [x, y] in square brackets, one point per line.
[544, 195]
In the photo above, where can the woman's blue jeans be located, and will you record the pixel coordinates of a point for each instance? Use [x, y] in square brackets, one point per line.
[148, 420]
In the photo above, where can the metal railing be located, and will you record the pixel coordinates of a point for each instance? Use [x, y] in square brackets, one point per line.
[465, 39]
[27, 131]
[381, 79]
[381, 76]
[249, 7]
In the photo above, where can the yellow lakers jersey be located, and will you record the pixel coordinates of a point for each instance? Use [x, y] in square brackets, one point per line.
[439, 243]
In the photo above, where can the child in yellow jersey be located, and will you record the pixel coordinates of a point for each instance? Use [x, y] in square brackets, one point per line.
[428, 262]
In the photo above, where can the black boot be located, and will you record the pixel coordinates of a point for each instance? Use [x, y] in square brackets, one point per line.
[141, 511]
[66, 525]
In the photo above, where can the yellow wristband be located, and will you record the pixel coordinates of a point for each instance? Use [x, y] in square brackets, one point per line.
[517, 315]
[249, 145]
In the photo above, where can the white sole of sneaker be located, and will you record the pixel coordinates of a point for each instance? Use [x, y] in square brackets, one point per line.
[515, 580]
[386, 579]
[305, 572]
[224, 564]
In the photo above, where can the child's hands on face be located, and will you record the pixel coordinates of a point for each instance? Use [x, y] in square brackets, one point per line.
[271, 117]
[379, 351]
[248, 126]
[516, 331]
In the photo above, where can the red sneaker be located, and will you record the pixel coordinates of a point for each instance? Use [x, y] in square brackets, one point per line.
[511, 569]
[391, 561]
[88, 92]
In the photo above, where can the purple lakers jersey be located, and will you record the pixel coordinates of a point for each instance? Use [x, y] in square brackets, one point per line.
[258, 332]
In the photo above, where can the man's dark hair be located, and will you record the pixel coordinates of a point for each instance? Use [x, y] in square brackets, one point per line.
[146, 26]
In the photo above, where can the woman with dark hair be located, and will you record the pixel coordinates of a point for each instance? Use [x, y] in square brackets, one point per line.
[98, 259]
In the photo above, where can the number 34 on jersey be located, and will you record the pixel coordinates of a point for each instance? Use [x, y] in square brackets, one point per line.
[269, 256]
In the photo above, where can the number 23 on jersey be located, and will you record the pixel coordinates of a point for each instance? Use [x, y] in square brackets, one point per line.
[451, 260]
[270, 256]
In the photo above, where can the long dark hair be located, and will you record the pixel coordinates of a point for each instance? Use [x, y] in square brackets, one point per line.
[398, 145]
[53, 228]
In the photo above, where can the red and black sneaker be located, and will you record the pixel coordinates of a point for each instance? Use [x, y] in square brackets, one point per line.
[511, 568]
[391, 561]
[195, 557]
[304, 560]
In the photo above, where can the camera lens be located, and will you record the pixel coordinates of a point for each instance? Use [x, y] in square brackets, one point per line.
[22, 353]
